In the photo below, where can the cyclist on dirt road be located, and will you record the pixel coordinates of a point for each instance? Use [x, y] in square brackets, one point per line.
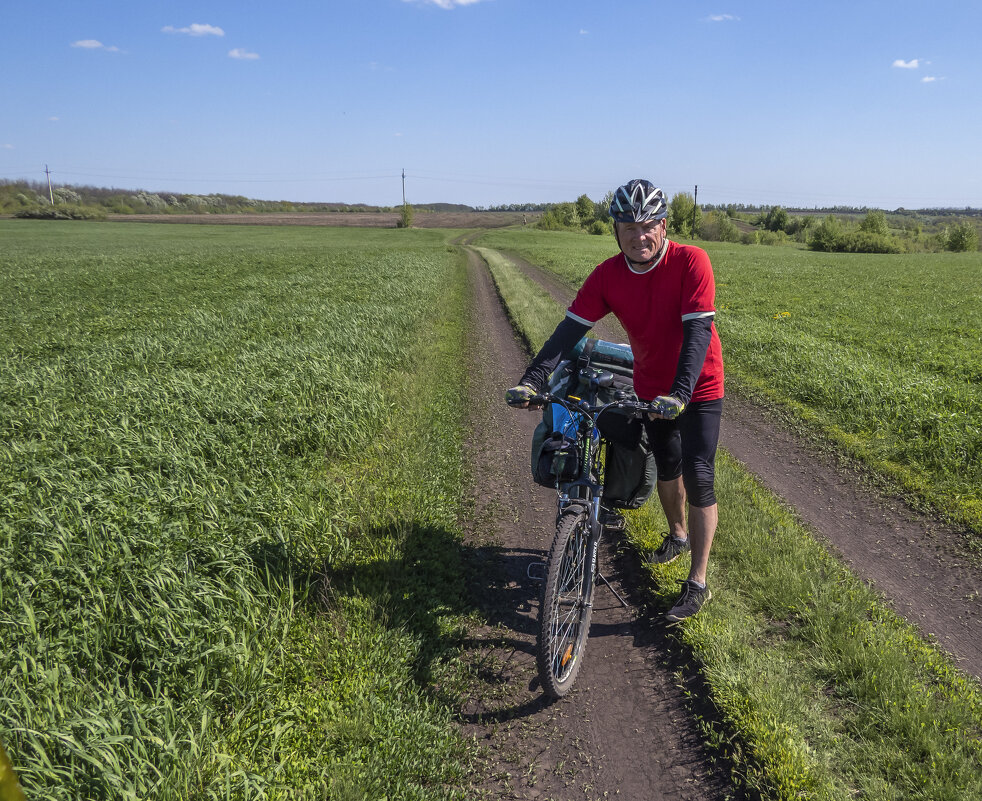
[663, 294]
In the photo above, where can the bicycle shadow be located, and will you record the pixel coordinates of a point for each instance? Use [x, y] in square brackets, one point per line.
[432, 576]
[506, 594]
[428, 577]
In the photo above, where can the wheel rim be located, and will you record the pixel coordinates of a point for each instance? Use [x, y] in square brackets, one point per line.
[565, 628]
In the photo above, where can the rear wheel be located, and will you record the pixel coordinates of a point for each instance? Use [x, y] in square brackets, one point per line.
[565, 611]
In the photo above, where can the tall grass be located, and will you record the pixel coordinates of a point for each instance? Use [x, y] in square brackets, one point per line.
[821, 692]
[881, 353]
[228, 511]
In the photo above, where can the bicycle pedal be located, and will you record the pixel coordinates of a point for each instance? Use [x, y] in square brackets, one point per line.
[536, 571]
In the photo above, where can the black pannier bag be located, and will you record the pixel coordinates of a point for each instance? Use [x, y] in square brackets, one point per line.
[630, 474]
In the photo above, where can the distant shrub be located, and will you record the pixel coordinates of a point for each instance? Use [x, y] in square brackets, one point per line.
[601, 209]
[776, 219]
[405, 216]
[864, 242]
[718, 227]
[960, 238]
[155, 202]
[771, 237]
[584, 215]
[561, 217]
[875, 222]
[798, 227]
[65, 195]
[61, 212]
[827, 235]
[683, 215]
[585, 208]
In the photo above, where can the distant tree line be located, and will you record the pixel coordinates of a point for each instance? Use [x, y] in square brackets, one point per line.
[31, 199]
[874, 231]
[840, 229]
[517, 207]
[749, 208]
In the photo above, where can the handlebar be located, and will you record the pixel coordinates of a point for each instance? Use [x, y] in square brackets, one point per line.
[625, 406]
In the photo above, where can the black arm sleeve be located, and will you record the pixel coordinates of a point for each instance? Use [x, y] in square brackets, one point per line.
[696, 335]
[557, 347]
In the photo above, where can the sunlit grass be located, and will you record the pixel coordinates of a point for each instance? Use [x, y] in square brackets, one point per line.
[228, 511]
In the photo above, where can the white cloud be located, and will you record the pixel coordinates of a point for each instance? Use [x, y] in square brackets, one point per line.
[195, 29]
[584, 32]
[906, 65]
[928, 79]
[7, 147]
[722, 18]
[94, 44]
[244, 55]
[447, 4]
[52, 119]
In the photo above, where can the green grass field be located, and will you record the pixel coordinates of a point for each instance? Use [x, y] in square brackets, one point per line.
[229, 511]
[230, 560]
[882, 354]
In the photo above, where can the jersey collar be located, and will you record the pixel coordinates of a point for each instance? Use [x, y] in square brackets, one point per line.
[651, 264]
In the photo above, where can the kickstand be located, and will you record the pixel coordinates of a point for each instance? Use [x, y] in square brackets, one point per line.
[601, 577]
[536, 571]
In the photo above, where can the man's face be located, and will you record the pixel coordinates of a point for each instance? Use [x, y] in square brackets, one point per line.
[641, 241]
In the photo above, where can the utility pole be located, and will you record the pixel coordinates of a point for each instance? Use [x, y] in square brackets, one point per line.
[695, 210]
[403, 186]
[50, 193]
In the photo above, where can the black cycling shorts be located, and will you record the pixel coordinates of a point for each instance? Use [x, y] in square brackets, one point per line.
[686, 447]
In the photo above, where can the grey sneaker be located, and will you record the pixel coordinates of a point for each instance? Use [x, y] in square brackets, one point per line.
[670, 550]
[690, 601]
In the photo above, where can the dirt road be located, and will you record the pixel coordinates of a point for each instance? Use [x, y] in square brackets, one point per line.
[625, 730]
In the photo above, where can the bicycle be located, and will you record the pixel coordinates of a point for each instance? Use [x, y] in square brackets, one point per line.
[571, 569]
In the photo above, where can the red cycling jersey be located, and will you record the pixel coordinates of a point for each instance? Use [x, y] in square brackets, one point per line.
[651, 306]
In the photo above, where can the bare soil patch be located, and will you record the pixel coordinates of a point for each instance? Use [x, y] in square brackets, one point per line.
[625, 731]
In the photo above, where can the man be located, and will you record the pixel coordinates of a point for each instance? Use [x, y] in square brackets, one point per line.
[663, 294]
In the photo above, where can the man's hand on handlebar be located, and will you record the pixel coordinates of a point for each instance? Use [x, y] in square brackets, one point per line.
[666, 407]
[520, 397]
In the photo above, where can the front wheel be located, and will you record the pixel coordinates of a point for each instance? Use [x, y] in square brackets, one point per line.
[566, 608]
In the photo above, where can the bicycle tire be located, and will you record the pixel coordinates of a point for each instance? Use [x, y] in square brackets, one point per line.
[566, 606]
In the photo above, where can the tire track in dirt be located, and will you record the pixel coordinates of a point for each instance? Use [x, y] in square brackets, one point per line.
[915, 561]
[625, 730]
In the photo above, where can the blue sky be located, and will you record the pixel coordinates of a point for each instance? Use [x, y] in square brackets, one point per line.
[498, 101]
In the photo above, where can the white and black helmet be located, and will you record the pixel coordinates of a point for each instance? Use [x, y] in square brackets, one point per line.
[638, 201]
